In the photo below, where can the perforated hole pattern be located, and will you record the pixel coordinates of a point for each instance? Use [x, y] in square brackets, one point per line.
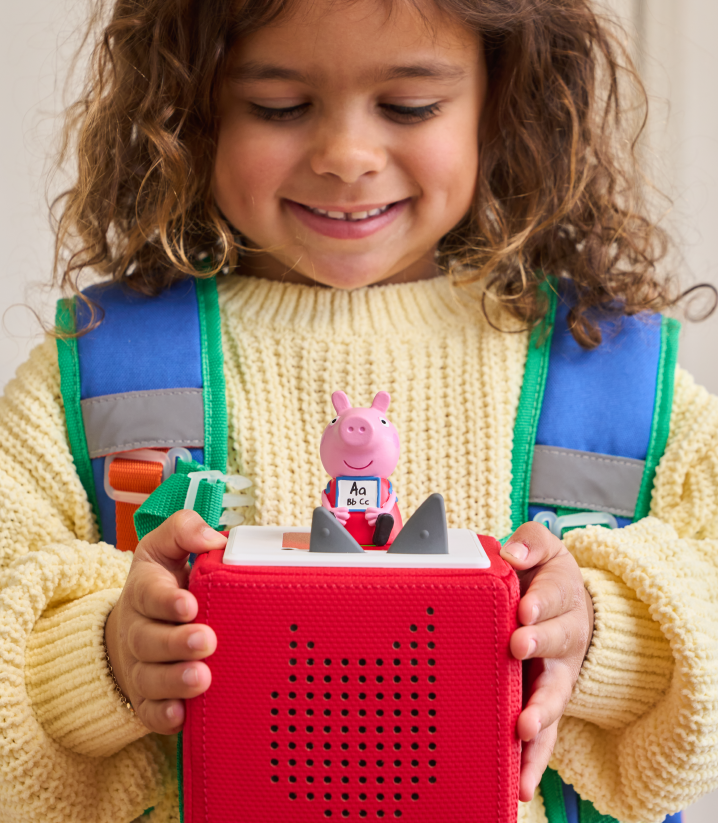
[390, 704]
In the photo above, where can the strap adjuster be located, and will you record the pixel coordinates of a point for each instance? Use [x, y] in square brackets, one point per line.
[237, 481]
[556, 525]
[167, 459]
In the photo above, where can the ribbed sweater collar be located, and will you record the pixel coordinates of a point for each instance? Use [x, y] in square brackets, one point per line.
[432, 304]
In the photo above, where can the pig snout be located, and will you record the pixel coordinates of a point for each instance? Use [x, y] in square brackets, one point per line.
[357, 431]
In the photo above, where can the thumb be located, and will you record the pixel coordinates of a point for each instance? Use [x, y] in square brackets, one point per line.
[182, 534]
[531, 545]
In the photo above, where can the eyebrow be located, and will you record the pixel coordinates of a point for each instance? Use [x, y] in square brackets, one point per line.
[253, 70]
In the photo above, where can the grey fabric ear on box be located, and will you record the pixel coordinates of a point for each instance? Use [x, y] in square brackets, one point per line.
[425, 532]
[328, 534]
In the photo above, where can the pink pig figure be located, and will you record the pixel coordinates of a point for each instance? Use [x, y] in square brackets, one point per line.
[360, 449]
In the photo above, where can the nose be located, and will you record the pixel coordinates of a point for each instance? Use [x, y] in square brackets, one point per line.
[347, 148]
[357, 431]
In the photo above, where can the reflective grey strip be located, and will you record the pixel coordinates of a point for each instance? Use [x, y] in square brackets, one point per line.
[585, 480]
[162, 418]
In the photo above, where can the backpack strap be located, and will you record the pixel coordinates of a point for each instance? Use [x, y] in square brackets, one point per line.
[590, 430]
[149, 377]
[592, 425]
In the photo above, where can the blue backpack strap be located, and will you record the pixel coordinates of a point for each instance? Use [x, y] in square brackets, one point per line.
[592, 425]
[149, 376]
[590, 431]
[605, 416]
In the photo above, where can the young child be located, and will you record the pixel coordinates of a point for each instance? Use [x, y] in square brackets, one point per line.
[345, 164]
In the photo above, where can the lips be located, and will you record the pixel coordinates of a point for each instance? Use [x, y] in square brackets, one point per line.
[354, 228]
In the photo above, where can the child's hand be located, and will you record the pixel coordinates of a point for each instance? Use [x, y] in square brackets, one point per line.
[556, 613]
[152, 657]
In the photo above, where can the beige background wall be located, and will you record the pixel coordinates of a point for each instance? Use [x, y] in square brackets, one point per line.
[674, 40]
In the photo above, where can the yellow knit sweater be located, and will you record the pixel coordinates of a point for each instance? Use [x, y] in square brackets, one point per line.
[640, 733]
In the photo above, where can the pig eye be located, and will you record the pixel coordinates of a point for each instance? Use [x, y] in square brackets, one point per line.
[383, 422]
[332, 422]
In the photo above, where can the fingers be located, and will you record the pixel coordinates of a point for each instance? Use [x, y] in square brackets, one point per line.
[162, 716]
[563, 637]
[161, 681]
[180, 535]
[551, 692]
[154, 592]
[554, 589]
[531, 545]
[534, 760]
[152, 642]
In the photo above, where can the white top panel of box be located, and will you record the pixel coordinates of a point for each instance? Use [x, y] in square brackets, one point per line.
[285, 546]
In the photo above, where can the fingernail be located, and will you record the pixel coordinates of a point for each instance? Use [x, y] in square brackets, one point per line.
[182, 606]
[532, 648]
[190, 676]
[534, 614]
[213, 538]
[174, 713]
[197, 641]
[517, 550]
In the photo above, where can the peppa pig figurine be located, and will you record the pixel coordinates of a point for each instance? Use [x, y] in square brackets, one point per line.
[360, 449]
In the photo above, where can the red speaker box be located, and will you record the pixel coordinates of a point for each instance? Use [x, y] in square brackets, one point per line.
[344, 687]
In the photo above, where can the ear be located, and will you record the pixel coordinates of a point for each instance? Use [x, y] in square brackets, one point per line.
[381, 401]
[340, 401]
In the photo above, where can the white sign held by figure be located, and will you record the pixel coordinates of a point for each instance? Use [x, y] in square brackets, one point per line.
[358, 493]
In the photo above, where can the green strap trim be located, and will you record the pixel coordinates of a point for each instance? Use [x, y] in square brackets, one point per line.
[527, 416]
[663, 405]
[552, 793]
[215, 403]
[587, 813]
[169, 498]
[180, 776]
[69, 363]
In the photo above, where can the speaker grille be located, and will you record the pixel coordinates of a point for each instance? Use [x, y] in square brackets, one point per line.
[357, 736]
[358, 694]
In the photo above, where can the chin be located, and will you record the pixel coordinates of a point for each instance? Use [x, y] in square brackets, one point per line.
[341, 274]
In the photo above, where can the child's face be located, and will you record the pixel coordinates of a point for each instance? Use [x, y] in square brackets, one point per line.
[346, 109]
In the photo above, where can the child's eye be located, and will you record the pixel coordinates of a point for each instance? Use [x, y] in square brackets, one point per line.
[411, 114]
[268, 113]
[383, 422]
[332, 422]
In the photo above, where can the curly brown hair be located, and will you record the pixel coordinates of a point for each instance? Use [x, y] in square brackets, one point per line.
[559, 189]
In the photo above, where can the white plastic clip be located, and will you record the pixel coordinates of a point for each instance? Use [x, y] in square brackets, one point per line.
[556, 525]
[168, 460]
[236, 481]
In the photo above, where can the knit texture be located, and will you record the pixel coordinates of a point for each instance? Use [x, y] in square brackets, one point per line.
[641, 732]
[639, 736]
[454, 382]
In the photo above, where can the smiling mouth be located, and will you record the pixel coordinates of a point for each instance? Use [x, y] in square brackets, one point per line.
[350, 216]
[358, 468]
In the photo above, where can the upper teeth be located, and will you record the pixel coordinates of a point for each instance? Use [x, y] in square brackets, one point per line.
[353, 215]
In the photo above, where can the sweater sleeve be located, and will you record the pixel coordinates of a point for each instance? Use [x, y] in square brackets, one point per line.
[640, 734]
[67, 743]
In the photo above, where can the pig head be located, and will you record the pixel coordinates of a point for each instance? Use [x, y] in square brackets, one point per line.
[359, 441]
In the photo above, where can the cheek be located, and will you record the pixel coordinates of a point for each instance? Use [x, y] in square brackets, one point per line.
[446, 166]
[250, 168]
